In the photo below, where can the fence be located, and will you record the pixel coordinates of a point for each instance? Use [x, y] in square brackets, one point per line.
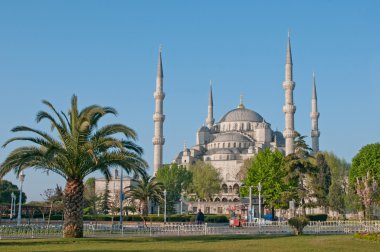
[182, 229]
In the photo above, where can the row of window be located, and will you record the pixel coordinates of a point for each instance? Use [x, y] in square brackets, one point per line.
[228, 145]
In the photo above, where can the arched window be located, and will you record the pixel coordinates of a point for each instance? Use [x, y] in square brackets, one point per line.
[236, 200]
[225, 188]
[217, 200]
[236, 188]
[224, 200]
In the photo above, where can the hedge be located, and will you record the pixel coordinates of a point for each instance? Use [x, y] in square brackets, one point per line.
[317, 217]
[155, 218]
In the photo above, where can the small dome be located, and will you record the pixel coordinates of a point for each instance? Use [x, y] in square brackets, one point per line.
[203, 129]
[241, 114]
[279, 138]
[229, 137]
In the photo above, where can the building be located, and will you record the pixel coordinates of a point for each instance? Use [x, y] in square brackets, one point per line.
[240, 134]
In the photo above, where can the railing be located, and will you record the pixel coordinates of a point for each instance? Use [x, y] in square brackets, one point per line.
[182, 229]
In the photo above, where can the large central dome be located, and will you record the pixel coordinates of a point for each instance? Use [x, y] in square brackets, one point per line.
[241, 115]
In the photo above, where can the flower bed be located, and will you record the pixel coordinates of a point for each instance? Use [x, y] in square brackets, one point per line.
[368, 236]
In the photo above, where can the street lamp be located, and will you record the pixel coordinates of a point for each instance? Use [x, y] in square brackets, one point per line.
[13, 204]
[121, 197]
[21, 178]
[165, 206]
[259, 189]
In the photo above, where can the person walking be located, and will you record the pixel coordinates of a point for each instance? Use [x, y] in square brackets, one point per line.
[200, 218]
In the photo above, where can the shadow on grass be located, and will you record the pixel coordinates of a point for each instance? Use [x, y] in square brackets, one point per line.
[131, 240]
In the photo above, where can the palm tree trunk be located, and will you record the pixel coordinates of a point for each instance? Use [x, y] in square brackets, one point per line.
[73, 209]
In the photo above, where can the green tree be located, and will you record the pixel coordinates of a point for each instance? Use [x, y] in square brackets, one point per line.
[6, 189]
[336, 197]
[299, 169]
[268, 168]
[206, 180]
[90, 197]
[321, 181]
[367, 160]
[175, 180]
[80, 149]
[146, 188]
[339, 198]
[105, 198]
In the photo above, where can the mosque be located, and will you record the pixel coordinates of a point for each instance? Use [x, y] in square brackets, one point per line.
[240, 134]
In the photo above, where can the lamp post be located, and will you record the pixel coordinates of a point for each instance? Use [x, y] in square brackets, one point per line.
[13, 202]
[181, 206]
[250, 205]
[259, 189]
[21, 178]
[121, 197]
[165, 206]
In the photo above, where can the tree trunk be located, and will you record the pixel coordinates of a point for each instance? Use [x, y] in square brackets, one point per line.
[73, 209]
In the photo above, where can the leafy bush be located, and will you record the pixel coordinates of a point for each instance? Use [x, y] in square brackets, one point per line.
[298, 223]
[317, 217]
[216, 218]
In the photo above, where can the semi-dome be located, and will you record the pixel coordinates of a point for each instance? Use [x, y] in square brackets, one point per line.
[241, 114]
[229, 137]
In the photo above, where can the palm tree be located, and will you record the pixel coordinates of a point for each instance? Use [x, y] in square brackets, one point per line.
[80, 149]
[147, 188]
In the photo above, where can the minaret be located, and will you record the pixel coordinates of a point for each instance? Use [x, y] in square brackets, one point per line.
[314, 115]
[289, 107]
[210, 115]
[158, 117]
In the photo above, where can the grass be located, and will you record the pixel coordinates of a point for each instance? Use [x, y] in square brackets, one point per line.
[197, 243]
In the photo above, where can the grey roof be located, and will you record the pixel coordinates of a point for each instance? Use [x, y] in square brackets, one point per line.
[314, 93]
[241, 114]
[160, 72]
[236, 137]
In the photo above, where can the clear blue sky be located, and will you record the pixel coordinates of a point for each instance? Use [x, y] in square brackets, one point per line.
[106, 53]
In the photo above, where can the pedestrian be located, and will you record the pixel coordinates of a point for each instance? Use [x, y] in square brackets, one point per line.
[200, 217]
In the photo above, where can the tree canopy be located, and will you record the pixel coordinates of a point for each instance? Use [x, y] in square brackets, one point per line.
[268, 168]
[175, 179]
[206, 180]
[6, 189]
[367, 160]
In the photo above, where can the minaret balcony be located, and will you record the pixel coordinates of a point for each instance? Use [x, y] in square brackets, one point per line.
[314, 115]
[289, 85]
[158, 117]
[158, 140]
[315, 133]
[288, 133]
[289, 108]
[159, 95]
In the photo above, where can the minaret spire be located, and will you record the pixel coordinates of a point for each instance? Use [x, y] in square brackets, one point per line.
[314, 115]
[210, 115]
[158, 117]
[289, 108]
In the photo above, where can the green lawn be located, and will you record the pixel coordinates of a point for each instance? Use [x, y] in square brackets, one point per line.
[199, 243]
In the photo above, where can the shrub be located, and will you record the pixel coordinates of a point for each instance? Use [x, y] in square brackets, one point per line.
[317, 217]
[298, 224]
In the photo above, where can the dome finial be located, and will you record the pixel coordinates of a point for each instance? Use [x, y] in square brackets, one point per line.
[241, 105]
